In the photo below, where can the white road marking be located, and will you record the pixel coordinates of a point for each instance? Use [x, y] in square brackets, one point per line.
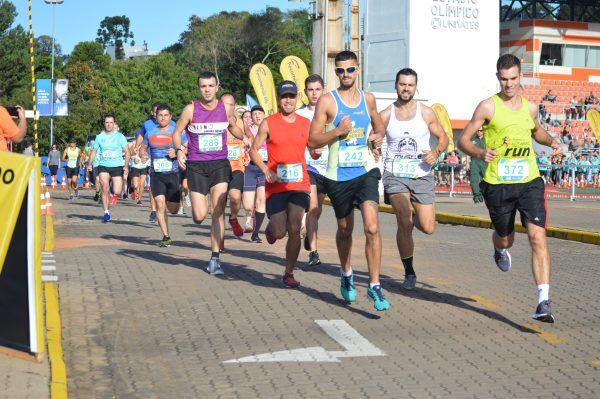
[48, 268]
[355, 344]
[49, 278]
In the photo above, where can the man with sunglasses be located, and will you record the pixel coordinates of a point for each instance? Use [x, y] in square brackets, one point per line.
[354, 135]
[287, 181]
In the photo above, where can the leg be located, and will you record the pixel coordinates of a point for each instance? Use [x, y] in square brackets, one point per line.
[292, 248]
[117, 182]
[161, 214]
[104, 179]
[248, 198]
[424, 218]
[343, 240]
[259, 210]
[218, 197]
[370, 214]
[312, 218]
[235, 203]
[152, 202]
[540, 258]
[401, 205]
[135, 181]
[199, 206]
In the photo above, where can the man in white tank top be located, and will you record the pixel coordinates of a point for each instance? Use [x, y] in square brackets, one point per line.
[407, 177]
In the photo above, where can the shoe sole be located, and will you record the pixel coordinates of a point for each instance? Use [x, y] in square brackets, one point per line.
[379, 310]
[544, 318]
[314, 264]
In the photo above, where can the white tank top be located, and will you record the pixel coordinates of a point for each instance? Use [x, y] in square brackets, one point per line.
[406, 141]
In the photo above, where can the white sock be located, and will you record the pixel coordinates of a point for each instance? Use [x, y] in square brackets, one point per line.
[543, 291]
[502, 251]
[346, 274]
[106, 212]
[371, 285]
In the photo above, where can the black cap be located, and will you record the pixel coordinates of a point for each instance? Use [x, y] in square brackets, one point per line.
[287, 87]
[257, 108]
[72, 140]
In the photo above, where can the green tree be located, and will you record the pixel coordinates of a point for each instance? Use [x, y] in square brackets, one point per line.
[90, 53]
[114, 31]
[14, 60]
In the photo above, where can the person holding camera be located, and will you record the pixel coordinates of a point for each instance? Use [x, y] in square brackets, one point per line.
[9, 130]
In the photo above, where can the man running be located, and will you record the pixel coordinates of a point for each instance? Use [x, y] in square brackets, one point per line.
[72, 156]
[288, 184]
[164, 170]
[352, 178]
[512, 180]
[111, 147]
[407, 177]
[316, 161]
[206, 122]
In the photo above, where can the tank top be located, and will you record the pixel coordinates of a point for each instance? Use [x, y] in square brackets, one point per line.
[287, 142]
[406, 141]
[235, 152]
[207, 133]
[510, 132]
[72, 157]
[349, 156]
[262, 151]
[319, 165]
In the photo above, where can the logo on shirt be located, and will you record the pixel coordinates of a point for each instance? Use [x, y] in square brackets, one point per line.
[407, 146]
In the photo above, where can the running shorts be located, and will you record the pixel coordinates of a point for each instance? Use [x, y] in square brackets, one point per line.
[115, 171]
[421, 189]
[135, 172]
[279, 202]
[237, 180]
[202, 175]
[71, 172]
[53, 170]
[166, 184]
[317, 180]
[253, 178]
[350, 194]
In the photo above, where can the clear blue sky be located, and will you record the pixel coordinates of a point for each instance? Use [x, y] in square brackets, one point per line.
[157, 22]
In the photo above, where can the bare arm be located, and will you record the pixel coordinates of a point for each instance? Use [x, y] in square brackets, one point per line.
[436, 129]
[17, 138]
[261, 137]
[92, 157]
[484, 112]
[127, 157]
[233, 128]
[378, 133]
[317, 136]
[182, 123]
[64, 155]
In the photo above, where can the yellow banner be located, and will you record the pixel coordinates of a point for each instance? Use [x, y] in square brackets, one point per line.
[593, 116]
[15, 170]
[294, 69]
[442, 115]
[264, 87]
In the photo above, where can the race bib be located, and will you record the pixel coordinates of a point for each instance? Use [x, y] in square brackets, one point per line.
[289, 173]
[162, 165]
[210, 142]
[320, 161]
[264, 155]
[406, 167]
[109, 154]
[513, 169]
[352, 156]
[234, 153]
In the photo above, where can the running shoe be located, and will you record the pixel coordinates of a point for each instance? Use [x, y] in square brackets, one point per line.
[181, 211]
[347, 288]
[139, 202]
[502, 260]
[255, 238]
[165, 242]
[152, 218]
[235, 226]
[289, 281]
[97, 196]
[543, 312]
[186, 199]
[410, 282]
[248, 228]
[214, 266]
[70, 197]
[313, 259]
[106, 217]
[306, 243]
[125, 196]
[270, 238]
[376, 294]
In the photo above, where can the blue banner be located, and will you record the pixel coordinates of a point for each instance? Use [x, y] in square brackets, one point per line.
[43, 95]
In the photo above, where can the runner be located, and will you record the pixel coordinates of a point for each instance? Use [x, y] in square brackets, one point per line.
[253, 196]
[407, 176]
[352, 178]
[288, 184]
[316, 161]
[164, 170]
[139, 170]
[237, 159]
[53, 163]
[110, 145]
[72, 155]
[206, 122]
[512, 180]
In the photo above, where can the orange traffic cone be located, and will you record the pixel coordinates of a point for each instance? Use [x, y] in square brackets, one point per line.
[49, 209]
[43, 182]
[63, 184]
[86, 185]
[43, 203]
[53, 182]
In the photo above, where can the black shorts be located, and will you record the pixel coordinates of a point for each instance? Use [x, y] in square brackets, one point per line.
[115, 171]
[70, 172]
[182, 175]
[279, 202]
[350, 194]
[202, 175]
[319, 181]
[504, 200]
[135, 172]
[53, 170]
[237, 180]
[166, 184]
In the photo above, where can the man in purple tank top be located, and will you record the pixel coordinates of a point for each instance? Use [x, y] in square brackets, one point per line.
[205, 122]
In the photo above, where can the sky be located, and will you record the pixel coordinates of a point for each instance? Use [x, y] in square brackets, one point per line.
[157, 22]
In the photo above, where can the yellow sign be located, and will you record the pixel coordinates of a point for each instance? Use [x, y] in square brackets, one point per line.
[264, 87]
[442, 115]
[294, 69]
[593, 116]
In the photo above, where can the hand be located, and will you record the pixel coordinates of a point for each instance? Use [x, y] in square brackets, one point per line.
[430, 157]
[376, 141]
[488, 155]
[181, 158]
[556, 148]
[21, 112]
[247, 142]
[271, 177]
[170, 153]
[345, 126]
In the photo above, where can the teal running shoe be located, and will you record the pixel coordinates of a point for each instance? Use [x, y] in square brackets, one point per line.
[376, 293]
[347, 288]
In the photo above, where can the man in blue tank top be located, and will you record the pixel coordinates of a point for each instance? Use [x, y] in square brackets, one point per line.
[352, 177]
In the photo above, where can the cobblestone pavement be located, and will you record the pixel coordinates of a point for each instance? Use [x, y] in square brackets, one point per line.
[146, 322]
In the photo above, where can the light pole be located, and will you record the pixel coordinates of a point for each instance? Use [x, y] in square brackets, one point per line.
[52, 3]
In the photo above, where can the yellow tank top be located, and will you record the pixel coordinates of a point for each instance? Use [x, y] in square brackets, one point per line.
[510, 132]
[73, 157]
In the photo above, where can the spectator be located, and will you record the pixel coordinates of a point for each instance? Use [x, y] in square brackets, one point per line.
[542, 111]
[28, 147]
[453, 163]
[581, 109]
[550, 97]
[573, 108]
[9, 130]
[544, 167]
[591, 99]
[595, 161]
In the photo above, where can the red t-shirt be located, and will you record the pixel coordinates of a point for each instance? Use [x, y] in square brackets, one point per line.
[8, 128]
[285, 147]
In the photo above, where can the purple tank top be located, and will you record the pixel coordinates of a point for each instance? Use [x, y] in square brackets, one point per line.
[207, 134]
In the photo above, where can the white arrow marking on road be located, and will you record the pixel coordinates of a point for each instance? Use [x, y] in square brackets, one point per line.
[355, 344]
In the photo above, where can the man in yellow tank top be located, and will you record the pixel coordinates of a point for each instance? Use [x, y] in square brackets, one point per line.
[512, 180]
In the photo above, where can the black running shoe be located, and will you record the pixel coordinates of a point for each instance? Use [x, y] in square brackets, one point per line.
[256, 239]
[152, 218]
[543, 312]
[97, 196]
[313, 259]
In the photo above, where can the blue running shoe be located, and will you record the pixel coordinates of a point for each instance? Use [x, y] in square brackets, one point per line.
[347, 288]
[376, 293]
[106, 217]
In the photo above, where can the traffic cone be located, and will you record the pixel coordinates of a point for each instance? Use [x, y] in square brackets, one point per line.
[43, 183]
[63, 184]
[43, 203]
[49, 210]
[53, 182]
[86, 185]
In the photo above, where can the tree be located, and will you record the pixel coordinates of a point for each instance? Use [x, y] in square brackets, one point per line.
[114, 31]
[90, 53]
[14, 61]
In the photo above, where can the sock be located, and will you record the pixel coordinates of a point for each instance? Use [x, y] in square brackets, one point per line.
[346, 274]
[502, 251]
[371, 285]
[408, 266]
[259, 218]
[215, 255]
[543, 291]
[107, 212]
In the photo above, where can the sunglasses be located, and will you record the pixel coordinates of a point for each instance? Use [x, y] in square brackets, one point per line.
[340, 70]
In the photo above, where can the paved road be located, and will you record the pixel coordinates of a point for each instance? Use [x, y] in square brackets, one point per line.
[144, 322]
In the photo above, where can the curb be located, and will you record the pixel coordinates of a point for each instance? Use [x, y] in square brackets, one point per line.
[584, 236]
[58, 372]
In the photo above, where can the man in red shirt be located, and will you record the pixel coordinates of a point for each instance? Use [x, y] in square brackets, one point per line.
[287, 182]
[9, 130]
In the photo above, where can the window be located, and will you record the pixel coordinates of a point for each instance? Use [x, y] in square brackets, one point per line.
[570, 55]
[551, 54]
[593, 60]
[574, 56]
